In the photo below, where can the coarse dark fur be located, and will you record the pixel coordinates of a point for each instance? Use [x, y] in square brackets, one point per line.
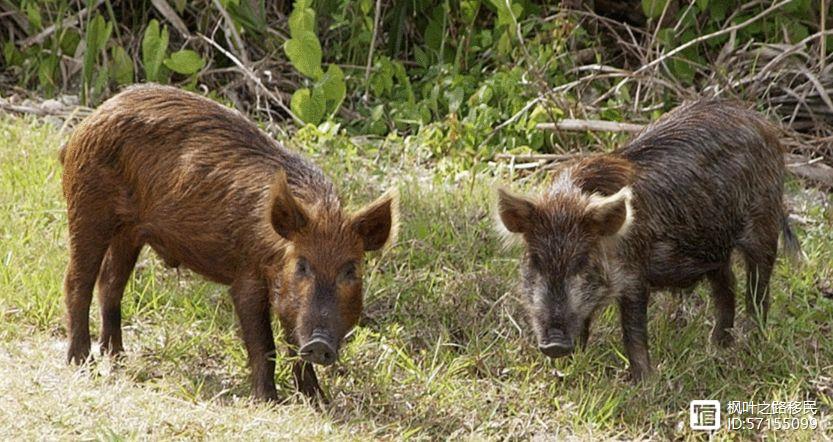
[203, 187]
[665, 211]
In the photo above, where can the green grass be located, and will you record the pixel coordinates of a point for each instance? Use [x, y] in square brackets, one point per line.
[442, 352]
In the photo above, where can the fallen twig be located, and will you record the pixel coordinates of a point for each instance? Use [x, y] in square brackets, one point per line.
[813, 170]
[591, 125]
[535, 157]
[44, 111]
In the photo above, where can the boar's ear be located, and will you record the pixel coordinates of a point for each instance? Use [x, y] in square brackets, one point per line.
[514, 211]
[377, 223]
[286, 214]
[610, 215]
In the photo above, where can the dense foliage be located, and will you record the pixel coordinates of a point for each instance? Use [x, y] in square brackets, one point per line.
[462, 67]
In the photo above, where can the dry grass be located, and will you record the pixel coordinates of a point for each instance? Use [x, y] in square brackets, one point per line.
[41, 398]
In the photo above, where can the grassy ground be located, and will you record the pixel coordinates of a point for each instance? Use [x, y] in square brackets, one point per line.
[442, 352]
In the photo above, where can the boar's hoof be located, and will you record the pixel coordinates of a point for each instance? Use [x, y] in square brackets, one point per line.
[722, 338]
[319, 351]
[555, 349]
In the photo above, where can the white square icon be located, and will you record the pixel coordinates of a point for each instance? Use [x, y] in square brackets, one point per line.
[704, 414]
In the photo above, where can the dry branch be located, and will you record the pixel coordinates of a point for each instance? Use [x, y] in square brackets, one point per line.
[251, 75]
[535, 157]
[231, 29]
[376, 14]
[591, 125]
[45, 110]
[813, 170]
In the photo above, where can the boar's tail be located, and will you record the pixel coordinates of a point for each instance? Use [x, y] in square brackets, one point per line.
[792, 248]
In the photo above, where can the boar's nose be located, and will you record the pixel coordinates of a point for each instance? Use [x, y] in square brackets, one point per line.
[556, 345]
[319, 349]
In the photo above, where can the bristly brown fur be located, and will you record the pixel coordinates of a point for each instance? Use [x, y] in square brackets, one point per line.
[206, 189]
[665, 211]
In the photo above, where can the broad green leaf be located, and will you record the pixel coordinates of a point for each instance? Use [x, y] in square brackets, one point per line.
[682, 70]
[433, 34]
[508, 13]
[307, 106]
[421, 57]
[185, 62]
[97, 34]
[504, 43]
[332, 84]
[103, 35]
[12, 56]
[121, 66]
[302, 19]
[381, 81]
[653, 8]
[402, 77]
[250, 14]
[69, 41]
[332, 88]
[154, 47]
[46, 73]
[719, 8]
[304, 53]
[102, 76]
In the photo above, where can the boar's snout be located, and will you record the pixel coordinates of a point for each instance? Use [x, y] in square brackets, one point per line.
[556, 344]
[320, 349]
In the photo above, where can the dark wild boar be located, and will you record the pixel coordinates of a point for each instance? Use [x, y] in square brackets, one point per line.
[665, 211]
[203, 187]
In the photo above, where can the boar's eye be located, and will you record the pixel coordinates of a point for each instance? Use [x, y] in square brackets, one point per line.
[349, 272]
[302, 267]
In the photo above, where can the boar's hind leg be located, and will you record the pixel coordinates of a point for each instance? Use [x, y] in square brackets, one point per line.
[90, 230]
[251, 302]
[633, 308]
[759, 251]
[115, 271]
[723, 294]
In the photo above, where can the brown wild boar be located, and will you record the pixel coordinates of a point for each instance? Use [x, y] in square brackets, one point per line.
[665, 211]
[203, 187]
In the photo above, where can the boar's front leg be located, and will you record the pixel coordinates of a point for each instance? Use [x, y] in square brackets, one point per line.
[305, 379]
[633, 308]
[251, 302]
[303, 372]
